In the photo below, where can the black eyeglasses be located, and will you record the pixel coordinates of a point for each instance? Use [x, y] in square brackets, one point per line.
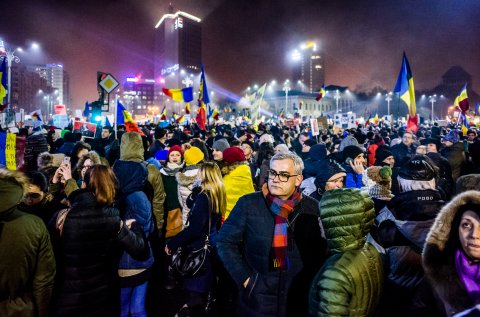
[283, 177]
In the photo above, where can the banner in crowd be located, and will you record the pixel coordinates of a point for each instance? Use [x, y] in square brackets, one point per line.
[12, 150]
[60, 120]
[344, 120]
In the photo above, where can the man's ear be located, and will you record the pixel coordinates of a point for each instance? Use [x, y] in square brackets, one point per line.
[298, 180]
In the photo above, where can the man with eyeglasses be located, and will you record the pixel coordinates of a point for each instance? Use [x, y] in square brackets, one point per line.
[404, 151]
[272, 243]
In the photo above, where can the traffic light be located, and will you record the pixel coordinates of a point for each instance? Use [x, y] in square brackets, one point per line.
[96, 113]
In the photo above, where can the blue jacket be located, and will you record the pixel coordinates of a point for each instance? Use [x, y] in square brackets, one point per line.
[352, 180]
[244, 244]
[134, 204]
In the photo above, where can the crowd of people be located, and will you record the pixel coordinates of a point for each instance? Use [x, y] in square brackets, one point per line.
[370, 221]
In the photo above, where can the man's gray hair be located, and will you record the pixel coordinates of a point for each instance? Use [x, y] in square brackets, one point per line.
[297, 161]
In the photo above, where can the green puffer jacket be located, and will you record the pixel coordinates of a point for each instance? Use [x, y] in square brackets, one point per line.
[351, 280]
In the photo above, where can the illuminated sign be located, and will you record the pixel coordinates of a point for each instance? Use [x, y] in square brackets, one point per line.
[168, 70]
[178, 23]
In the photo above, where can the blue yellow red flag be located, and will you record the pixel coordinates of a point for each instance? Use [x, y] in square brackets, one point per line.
[405, 87]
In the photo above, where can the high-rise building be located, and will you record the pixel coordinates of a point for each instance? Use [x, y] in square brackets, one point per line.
[309, 66]
[57, 78]
[178, 49]
[139, 95]
[28, 90]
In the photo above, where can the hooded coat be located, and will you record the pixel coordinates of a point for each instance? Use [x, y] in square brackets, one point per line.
[316, 161]
[350, 282]
[131, 149]
[439, 260]
[27, 269]
[455, 154]
[185, 180]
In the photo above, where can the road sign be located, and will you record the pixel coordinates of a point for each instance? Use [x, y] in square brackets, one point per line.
[109, 83]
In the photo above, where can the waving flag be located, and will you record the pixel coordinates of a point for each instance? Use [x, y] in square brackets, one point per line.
[180, 95]
[86, 111]
[187, 108]
[180, 119]
[477, 105]
[461, 100]
[203, 100]
[163, 114]
[3, 80]
[370, 117]
[375, 119]
[406, 90]
[215, 114]
[321, 93]
[107, 122]
[130, 124]
[120, 119]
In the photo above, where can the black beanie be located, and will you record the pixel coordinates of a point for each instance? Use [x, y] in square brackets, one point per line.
[351, 151]
[323, 175]
[418, 168]
[382, 153]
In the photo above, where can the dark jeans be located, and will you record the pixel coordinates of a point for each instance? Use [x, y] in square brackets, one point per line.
[132, 301]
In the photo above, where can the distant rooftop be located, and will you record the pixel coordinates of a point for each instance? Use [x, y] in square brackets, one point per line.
[176, 15]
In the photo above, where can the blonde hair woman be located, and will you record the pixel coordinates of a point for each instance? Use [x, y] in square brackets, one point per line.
[207, 202]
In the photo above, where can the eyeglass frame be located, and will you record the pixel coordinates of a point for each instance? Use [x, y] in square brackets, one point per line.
[275, 175]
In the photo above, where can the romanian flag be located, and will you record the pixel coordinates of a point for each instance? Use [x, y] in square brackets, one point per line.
[462, 119]
[215, 114]
[321, 93]
[405, 88]
[130, 125]
[368, 120]
[12, 150]
[282, 115]
[180, 95]
[187, 108]
[375, 119]
[3, 80]
[462, 100]
[477, 108]
[203, 99]
[180, 119]
[163, 114]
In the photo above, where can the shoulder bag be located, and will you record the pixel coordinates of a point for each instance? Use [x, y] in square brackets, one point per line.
[187, 261]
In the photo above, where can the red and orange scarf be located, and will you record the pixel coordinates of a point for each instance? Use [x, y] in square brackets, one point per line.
[281, 209]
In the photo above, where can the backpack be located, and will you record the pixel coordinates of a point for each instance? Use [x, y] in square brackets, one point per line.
[135, 193]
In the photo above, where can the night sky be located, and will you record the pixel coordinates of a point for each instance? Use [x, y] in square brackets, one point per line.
[248, 41]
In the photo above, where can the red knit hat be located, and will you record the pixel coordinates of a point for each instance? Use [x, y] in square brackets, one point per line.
[233, 154]
[175, 148]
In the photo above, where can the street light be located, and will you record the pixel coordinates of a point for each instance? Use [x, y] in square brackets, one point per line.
[337, 97]
[286, 89]
[432, 99]
[388, 99]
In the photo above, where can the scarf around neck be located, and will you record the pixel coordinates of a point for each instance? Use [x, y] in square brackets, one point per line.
[281, 210]
[469, 274]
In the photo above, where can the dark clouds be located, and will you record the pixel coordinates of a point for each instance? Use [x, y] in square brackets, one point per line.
[248, 41]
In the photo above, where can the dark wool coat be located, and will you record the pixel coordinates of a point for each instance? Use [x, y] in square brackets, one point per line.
[402, 153]
[402, 227]
[244, 245]
[438, 257]
[88, 252]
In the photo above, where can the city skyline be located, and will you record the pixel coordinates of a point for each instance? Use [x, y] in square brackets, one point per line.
[250, 41]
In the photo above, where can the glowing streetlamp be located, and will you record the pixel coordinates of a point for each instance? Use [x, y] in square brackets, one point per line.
[286, 89]
[388, 99]
[10, 57]
[337, 97]
[432, 99]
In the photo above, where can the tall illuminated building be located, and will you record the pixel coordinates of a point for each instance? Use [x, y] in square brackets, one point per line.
[178, 48]
[309, 66]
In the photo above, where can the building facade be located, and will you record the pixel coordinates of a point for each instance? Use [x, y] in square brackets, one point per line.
[309, 66]
[139, 96]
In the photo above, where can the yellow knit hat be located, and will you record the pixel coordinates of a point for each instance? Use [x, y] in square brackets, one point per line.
[193, 155]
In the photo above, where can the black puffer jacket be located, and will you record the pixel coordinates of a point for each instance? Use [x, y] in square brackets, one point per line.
[87, 253]
[402, 227]
[249, 231]
[455, 154]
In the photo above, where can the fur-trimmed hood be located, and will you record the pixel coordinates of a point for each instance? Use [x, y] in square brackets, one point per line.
[438, 261]
[13, 187]
[187, 177]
